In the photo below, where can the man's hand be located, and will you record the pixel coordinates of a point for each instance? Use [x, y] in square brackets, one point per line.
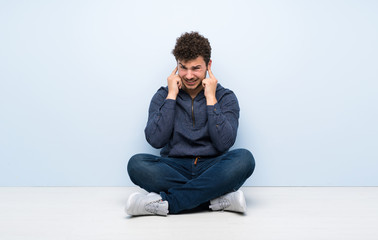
[174, 84]
[210, 87]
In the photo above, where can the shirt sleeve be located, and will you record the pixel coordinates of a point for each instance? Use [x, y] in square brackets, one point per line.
[223, 120]
[160, 122]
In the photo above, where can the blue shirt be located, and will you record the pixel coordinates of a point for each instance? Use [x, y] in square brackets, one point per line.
[187, 127]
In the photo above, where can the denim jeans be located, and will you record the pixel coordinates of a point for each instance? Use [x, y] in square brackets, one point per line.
[186, 183]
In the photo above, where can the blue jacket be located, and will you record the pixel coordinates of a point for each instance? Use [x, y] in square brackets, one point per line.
[187, 127]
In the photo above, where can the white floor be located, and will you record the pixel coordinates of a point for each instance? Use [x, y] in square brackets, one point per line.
[273, 213]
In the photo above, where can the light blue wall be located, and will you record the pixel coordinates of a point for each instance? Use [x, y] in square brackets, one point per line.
[76, 78]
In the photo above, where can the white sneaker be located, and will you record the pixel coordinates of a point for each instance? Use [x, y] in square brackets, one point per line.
[233, 201]
[142, 204]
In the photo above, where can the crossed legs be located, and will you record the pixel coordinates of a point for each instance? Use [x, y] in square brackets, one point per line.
[186, 183]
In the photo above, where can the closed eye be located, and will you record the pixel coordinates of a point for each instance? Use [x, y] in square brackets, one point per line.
[182, 66]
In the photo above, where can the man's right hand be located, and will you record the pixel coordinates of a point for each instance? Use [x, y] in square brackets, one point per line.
[174, 84]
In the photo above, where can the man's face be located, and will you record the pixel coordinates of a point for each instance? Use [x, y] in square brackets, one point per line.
[192, 73]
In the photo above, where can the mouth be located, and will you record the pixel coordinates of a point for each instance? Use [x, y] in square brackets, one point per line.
[191, 82]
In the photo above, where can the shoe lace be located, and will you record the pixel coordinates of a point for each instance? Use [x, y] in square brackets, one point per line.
[153, 207]
[224, 203]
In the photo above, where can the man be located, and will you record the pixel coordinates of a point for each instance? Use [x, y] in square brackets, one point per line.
[194, 120]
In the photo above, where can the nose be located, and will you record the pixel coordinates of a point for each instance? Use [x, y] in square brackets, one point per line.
[189, 74]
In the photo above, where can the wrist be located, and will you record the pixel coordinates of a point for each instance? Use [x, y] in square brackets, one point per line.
[210, 101]
[172, 96]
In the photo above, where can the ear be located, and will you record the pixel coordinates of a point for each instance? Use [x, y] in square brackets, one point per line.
[209, 64]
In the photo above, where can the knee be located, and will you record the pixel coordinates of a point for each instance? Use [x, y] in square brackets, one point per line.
[141, 165]
[135, 163]
[246, 161]
[131, 163]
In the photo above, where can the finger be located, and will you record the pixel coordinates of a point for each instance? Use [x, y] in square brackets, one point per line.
[174, 71]
[210, 72]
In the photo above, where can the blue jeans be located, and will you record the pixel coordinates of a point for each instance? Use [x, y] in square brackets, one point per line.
[186, 183]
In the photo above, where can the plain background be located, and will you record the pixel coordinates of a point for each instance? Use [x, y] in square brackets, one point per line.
[76, 79]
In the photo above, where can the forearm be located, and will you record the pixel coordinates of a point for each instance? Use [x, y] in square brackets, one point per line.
[222, 127]
[160, 123]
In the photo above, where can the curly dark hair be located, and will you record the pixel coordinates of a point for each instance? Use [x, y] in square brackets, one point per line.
[191, 45]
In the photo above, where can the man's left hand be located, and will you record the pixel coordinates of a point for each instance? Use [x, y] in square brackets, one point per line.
[210, 86]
